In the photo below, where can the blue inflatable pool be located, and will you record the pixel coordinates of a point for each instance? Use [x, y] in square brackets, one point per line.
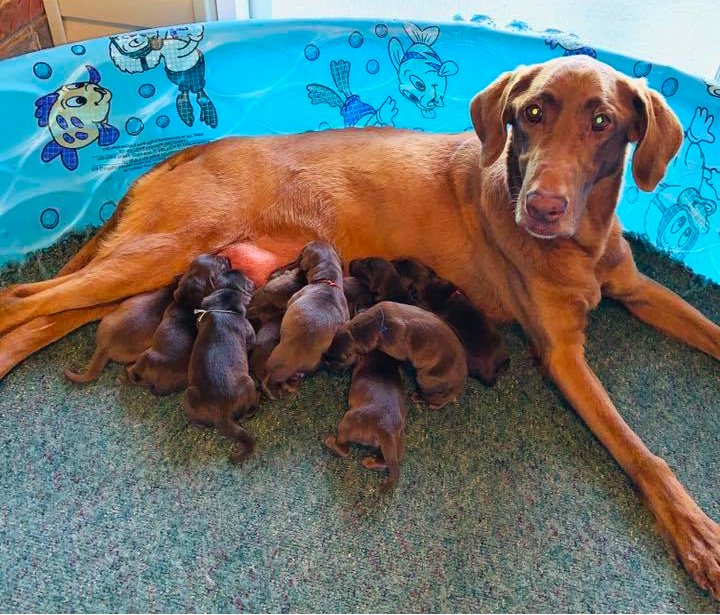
[84, 120]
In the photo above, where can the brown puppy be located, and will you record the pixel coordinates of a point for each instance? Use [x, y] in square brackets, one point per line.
[313, 315]
[485, 349]
[406, 333]
[267, 337]
[357, 295]
[271, 300]
[220, 386]
[376, 416]
[163, 367]
[124, 334]
[519, 214]
[380, 277]
[265, 314]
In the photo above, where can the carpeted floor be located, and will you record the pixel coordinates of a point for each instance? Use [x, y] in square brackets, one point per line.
[110, 502]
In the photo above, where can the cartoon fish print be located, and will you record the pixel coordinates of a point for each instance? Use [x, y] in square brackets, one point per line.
[76, 116]
[353, 110]
[421, 72]
[570, 43]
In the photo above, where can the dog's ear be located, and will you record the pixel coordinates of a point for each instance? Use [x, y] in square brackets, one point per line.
[658, 134]
[491, 110]
[489, 117]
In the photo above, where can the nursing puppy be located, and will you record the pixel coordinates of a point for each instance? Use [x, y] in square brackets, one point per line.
[376, 416]
[381, 279]
[267, 337]
[163, 367]
[271, 300]
[313, 316]
[265, 314]
[485, 349]
[124, 334]
[220, 387]
[406, 333]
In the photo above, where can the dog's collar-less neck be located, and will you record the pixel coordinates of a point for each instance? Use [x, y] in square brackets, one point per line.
[203, 312]
[327, 281]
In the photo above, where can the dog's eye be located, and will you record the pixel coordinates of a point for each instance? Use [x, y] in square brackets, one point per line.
[600, 122]
[533, 113]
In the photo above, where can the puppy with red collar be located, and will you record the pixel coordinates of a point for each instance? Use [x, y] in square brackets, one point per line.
[487, 356]
[313, 316]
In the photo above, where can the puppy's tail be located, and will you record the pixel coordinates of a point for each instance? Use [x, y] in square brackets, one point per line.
[97, 364]
[233, 431]
[389, 449]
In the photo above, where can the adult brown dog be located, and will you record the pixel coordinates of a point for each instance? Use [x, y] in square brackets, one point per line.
[525, 224]
[376, 416]
[406, 333]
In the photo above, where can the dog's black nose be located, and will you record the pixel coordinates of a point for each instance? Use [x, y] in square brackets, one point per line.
[545, 206]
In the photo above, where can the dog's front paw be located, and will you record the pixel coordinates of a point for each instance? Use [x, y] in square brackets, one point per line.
[697, 541]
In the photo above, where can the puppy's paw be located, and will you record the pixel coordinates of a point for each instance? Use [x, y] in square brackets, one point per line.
[293, 384]
[271, 391]
[374, 463]
[339, 449]
[238, 456]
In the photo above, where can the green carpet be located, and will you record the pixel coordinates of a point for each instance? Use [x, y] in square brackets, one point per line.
[110, 502]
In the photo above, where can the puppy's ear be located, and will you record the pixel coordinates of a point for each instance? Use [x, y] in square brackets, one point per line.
[658, 134]
[491, 110]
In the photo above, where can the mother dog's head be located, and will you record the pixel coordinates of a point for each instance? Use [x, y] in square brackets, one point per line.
[571, 121]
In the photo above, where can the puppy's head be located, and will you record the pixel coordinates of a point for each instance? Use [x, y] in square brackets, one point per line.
[200, 279]
[378, 275]
[236, 280]
[343, 351]
[317, 254]
[571, 121]
[414, 275]
[224, 299]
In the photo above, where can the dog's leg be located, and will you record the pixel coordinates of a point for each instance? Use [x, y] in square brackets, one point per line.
[23, 341]
[663, 309]
[658, 306]
[694, 535]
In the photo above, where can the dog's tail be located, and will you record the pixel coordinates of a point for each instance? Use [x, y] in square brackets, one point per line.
[389, 449]
[97, 364]
[233, 431]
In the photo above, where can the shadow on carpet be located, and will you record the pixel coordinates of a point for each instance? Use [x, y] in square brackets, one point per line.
[110, 502]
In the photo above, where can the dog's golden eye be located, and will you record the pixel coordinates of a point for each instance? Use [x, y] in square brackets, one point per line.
[533, 113]
[600, 122]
